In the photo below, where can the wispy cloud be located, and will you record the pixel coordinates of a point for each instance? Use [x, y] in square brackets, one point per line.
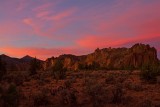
[62, 15]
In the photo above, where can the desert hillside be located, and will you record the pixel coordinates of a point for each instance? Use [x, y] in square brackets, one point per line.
[110, 77]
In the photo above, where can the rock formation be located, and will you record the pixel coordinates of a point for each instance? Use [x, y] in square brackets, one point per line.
[135, 57]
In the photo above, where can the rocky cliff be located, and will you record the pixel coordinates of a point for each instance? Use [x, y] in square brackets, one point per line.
[135, 57]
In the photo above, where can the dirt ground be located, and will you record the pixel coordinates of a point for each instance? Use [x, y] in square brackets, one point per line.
[87, 89]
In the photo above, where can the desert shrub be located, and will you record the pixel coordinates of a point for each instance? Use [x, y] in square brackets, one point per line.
[15, 77]
[126, 100]
[149, 74]
[34, 66]
[146, 103]
[40, 99]
[67, 84]
[11, 97]
[96, 92]
[110, 79]
[68, 97]
[59, 72]
[133, 86]
[116, 78]
[118, 94]
[137, 87]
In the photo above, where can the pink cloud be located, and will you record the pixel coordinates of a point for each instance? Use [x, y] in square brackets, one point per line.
[43, 7]
[93, 42]
[139, 23]
[42, 14]
[37, 28]
[46, 15]
[22, 4]
[57, 22]
[33, 25]
[63, 14]
[8, 28]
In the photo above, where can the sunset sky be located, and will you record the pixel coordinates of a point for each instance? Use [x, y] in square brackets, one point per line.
[45, 28]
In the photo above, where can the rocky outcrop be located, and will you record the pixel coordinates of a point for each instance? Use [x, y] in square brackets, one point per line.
[135, 57]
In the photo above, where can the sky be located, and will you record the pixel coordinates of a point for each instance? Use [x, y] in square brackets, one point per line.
[46, 28]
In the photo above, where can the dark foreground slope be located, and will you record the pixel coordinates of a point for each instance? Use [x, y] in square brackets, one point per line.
[86, 88]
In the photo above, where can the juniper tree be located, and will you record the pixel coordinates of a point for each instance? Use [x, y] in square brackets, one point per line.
[59, 72]
[2, 68]
[34, 66]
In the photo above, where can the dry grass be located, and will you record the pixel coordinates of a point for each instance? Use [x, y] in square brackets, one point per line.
[85, 88]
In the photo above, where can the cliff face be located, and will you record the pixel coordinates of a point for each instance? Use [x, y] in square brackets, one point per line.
[135, 57]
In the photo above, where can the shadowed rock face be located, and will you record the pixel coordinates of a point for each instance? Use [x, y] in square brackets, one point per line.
[135, 57]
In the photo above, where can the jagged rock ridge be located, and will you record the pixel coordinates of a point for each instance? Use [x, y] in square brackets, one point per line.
[136, 57]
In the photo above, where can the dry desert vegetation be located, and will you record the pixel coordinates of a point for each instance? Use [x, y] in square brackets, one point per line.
[106, 78]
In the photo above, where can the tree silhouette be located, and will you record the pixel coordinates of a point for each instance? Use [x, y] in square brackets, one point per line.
[2, 68]
[35, 65]
[59, 72]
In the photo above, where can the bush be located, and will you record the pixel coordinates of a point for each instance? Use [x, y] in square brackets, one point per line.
[67, 96]
[133, 86]
[68, 84]
[149, 74]
[15, 77]
[11, 97]
[96, 92]
[146, 103]
[118, 94]
[40, 99]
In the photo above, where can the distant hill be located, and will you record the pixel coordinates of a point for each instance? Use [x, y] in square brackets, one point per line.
[27, 58]
[16, 64]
